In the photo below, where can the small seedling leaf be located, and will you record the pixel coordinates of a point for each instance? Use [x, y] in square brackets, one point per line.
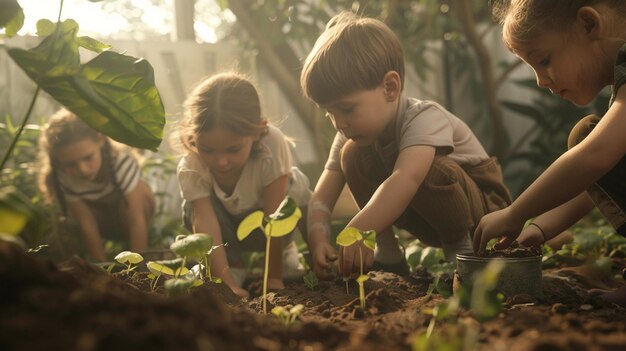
[126, 257]
[285, 210]
[362, 278]
[249, 224]
[281, 227]
[369, 239]
[348, 236]
[193, 245]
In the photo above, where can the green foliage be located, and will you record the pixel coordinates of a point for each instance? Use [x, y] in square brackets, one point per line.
[113, 93]
[280, 223]
[128, 258]
[288, 314]
[350, 236]
[310, 280]
[178, 286]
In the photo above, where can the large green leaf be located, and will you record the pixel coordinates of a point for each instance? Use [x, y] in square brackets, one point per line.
[15, 210]
[113, 93]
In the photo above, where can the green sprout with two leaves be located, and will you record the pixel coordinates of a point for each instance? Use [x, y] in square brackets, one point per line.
[287, 314]
[198, 246]
[280, 223]
[128, 258]
[349, 236]
[170, 268]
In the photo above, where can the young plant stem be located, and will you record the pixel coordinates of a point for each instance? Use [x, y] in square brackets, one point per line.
[268, 238]
[182, 266]
[207, 266]
[361, 284]
[154, 282]
[20, 129]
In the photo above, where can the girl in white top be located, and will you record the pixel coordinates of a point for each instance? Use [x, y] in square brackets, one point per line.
[97, 181]
[235, 163]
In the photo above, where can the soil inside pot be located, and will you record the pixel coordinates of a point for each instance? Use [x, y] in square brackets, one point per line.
[515, 250]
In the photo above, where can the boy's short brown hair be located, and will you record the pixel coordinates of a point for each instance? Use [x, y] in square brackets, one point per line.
[351, 54]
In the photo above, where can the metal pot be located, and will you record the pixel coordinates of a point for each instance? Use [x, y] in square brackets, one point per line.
[520, 275]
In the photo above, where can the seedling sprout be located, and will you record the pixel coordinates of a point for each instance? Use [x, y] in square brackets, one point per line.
[278, 224]
[157, 268]
[128, 258]
[349, 236]
[287, 314]
[195, 246]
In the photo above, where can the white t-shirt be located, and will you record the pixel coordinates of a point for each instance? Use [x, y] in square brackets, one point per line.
[126, 172]
[420, 122]
[272, 160]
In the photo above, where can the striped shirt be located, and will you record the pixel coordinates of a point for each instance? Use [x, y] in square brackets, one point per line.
[126, 172]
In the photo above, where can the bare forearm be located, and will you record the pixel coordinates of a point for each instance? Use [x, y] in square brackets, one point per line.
[563, 217]
[139, 235]
[93, 241]
[560, 183]
[387, 204]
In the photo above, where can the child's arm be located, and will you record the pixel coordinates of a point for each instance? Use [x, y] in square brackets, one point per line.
[273, 195]
[88, 229]
[389, 202]
[205, 221]
[553, 222]
[137, 221]
[321, 204]
[567, 177]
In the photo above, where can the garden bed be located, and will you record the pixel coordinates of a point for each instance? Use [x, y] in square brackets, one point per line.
[77, 306]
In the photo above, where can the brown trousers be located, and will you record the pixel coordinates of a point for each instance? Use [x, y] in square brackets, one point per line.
[609, 192]
[448, 204]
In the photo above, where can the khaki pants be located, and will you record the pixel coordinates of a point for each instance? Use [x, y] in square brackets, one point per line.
[447, 205]
[609, 192]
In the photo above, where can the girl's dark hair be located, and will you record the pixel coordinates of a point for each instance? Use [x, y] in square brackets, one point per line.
[62, 129]
[227, 100]
[524, 20]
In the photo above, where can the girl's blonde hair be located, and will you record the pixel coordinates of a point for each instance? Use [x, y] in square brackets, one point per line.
[226, 100]
[62, 129]
[524, 20]
[354, 53]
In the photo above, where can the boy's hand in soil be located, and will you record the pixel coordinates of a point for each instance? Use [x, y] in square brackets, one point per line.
[239, 291]
[494, 225]
[274, 284]
[350, 259]
[323, 258]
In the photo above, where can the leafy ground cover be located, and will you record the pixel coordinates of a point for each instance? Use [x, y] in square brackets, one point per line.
[75, 305]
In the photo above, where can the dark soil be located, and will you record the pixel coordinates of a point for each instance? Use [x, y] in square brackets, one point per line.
[77, 306]
[513, 251]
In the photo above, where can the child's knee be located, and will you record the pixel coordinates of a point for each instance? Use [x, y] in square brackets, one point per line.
[581, 130]
[444, 172]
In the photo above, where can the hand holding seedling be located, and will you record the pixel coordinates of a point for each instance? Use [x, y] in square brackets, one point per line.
[323, 260]
[356, 253]
[497, 224]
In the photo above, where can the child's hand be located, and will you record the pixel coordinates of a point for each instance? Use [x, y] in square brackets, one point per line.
[323, 257]
[239, 291]
[350, 259]
[274, 284]
[531, 236]
[494, 225]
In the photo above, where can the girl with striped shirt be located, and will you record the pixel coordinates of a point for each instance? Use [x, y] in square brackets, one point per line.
[96, 182]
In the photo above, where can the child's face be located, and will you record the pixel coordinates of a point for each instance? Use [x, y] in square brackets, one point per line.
[573, 67]
[362, 116]
[224, 152]
[81, 158]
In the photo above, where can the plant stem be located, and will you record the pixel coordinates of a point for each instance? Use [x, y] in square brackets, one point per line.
[265, 273]
[361, 258]
[21, 128]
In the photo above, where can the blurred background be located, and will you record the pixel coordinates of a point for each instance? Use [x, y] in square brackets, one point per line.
[453, 54]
